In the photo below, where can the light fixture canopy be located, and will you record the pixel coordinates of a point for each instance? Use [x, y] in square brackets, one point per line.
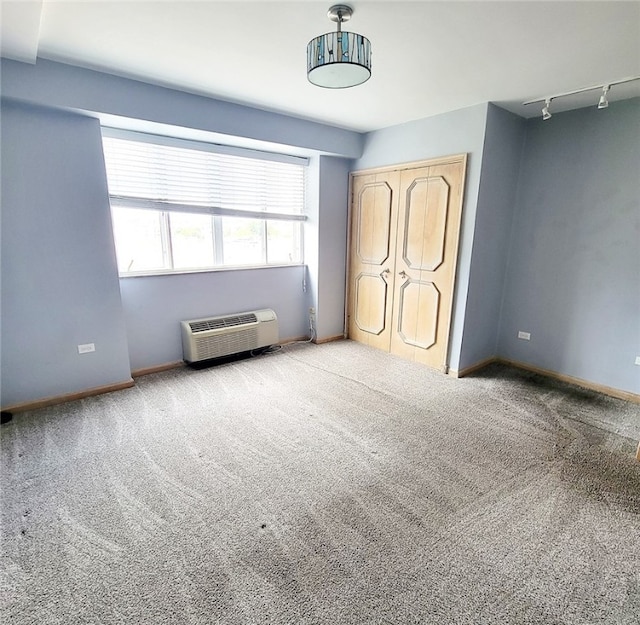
[339, 59]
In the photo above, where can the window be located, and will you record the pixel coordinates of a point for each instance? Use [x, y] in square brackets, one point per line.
[180, 206]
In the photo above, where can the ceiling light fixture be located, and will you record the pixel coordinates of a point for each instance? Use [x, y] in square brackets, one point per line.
[603, 98]
[339, 59]
[602, 104]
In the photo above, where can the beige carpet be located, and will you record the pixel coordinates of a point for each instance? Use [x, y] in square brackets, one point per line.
[329, 484]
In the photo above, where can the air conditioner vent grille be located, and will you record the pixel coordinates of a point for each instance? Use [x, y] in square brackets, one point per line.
[215, 337]
[222, 322]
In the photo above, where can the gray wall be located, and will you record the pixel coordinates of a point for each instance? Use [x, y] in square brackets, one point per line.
[452, 133]
[504, 138]
[121, 100]
[573, 278]
[154, 306]
[570, 277]
[332, 254]
[69, 172]
[59, 276]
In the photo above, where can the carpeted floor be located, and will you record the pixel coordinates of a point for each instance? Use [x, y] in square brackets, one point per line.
[329, 484]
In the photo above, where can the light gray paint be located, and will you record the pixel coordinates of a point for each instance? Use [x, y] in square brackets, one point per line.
[504, 138]
[312, 239]
[155, 305]
[54, 84]
[572, 279]
[453, 133]
[577, 209]
[59, 279]
[333, 210]
[325, 243]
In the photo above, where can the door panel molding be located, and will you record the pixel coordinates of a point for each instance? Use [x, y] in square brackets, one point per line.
[425, 233]
[375, 246]
[418, 313]
[370, 318]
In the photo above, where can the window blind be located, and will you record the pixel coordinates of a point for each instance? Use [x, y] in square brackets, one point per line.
[169, 177]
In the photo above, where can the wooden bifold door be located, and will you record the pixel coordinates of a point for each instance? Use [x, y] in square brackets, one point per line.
[405, 226]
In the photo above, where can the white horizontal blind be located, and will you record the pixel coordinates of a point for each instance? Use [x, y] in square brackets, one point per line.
[155, 175]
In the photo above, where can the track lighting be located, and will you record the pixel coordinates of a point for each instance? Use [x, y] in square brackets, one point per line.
[602, 104]
[603, 98]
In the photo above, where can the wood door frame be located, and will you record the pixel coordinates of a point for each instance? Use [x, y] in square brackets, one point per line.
[463, 158]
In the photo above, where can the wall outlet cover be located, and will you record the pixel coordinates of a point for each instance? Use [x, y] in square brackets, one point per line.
[86, 348]
[524, 335]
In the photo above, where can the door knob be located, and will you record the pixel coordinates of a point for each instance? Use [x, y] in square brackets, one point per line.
[384, 271]
[403, 275]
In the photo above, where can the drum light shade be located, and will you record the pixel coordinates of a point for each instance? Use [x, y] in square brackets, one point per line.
[339, 59]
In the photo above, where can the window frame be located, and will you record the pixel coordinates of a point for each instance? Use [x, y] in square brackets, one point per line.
[216, 213]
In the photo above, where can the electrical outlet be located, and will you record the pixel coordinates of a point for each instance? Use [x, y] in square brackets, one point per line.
[85, 348]
[637, 360]
[526, 336]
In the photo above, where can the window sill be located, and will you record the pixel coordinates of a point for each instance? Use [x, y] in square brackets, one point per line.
[179, 272]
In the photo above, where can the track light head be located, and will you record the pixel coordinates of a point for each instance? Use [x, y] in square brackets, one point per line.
[545, 109]
[603, 98]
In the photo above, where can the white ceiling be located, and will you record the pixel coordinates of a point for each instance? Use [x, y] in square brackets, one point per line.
[428, 57]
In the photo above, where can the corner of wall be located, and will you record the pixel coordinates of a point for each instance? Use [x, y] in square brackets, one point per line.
[499, 172]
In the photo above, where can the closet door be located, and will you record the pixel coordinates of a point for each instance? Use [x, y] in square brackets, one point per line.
[374, 215]
[427, 249]
[405, 226]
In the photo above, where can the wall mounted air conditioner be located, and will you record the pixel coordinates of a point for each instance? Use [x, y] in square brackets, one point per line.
[214, 337]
